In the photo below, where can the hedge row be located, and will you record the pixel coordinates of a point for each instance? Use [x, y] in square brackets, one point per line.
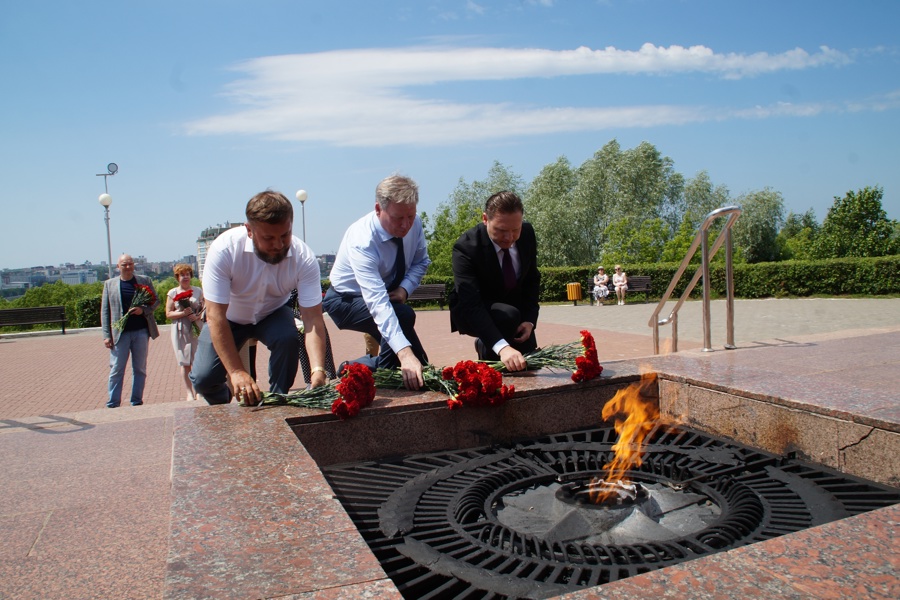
[837, 277]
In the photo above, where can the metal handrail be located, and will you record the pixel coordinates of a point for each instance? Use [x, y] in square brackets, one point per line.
[707, 253]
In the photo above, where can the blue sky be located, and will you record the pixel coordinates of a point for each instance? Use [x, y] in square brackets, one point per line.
[203, 103]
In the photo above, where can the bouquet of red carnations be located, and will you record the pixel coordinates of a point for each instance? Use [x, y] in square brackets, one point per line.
[143, 296]
[467, 383]
[345, 397]
[184, 300]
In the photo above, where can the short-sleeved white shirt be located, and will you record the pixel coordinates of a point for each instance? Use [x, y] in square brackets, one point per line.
[252, 288]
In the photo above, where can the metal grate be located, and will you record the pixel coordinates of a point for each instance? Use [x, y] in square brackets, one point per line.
[511, 521]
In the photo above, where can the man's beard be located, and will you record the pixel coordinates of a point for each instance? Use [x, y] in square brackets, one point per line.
[272, 260]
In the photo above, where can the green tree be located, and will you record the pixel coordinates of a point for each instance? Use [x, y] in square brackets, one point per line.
[857, 225]
[797, 237]
[572, 217]
[632, 240]
[756, 229]
[463, 210]
[548, 197]
[700, 198]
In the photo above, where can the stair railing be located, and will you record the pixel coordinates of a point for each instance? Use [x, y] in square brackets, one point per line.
[707, 254]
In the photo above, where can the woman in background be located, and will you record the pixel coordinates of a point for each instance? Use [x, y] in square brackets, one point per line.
[620, 280]
[601, 285]
[184, 305]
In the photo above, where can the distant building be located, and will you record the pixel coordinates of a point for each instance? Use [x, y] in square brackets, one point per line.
[326, 261]
[76, 276]
[206, 238]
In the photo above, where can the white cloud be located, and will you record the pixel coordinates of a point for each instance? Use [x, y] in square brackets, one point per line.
[473, 7]
[364, 97]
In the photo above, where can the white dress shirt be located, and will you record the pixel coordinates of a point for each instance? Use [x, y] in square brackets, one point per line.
[364, 265]
[514, 256]
[252, 288]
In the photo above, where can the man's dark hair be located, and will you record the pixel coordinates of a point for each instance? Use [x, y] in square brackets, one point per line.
[269, 207]
[503, 202]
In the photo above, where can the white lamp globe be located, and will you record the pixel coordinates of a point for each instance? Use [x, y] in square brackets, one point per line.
[105, 200]
[302, 196]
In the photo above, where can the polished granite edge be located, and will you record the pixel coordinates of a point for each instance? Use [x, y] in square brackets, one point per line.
[251, 514]
[855, 557]
[875, 408]
[243, 481]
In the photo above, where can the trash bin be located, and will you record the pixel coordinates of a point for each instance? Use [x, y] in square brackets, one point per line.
[573, 290]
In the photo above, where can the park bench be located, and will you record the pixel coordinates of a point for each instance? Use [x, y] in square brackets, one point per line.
[36, 315]
[430, 291]
[636, 284]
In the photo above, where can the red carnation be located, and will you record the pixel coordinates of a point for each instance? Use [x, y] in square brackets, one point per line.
[587, 365]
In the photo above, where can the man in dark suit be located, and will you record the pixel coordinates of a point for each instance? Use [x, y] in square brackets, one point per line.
[496, 283]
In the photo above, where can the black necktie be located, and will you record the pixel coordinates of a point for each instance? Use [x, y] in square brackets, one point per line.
[399, 265]
[509, 273]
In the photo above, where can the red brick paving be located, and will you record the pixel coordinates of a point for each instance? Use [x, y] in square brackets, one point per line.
[57, 374]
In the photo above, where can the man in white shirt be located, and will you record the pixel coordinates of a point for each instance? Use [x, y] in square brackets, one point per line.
[248, 278]
[381, 260]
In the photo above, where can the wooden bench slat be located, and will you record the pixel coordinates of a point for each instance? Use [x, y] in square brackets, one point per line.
[33, 315]
[636, 284]
[430, 291]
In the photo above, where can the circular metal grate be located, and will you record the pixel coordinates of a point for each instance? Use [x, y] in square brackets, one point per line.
[511, 522]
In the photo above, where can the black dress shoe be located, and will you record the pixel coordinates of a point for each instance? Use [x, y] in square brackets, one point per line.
[480, 349]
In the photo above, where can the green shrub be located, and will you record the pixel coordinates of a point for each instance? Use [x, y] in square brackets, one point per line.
[835, 277]
[87, 312]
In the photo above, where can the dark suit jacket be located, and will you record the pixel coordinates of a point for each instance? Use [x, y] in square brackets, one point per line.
[478, 283]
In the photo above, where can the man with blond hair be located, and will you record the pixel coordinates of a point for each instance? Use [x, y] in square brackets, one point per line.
[380, 262]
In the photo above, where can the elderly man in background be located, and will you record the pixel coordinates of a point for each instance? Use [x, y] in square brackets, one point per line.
[248, 278]
[133, 338]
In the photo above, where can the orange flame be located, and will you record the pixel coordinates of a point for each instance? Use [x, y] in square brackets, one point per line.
[635, 411]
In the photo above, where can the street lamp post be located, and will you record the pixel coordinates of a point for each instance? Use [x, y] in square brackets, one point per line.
[105, 200]
[302, 196]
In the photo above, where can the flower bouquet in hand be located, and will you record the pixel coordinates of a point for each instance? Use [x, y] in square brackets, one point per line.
[143, 296]
[345, 397]
[185, 300]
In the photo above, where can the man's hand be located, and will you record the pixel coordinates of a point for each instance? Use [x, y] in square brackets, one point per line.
[108, 343]
[512, 359]
[245, 388]
[523, 332]
[398, 295]
[410, 369]
[317, 379]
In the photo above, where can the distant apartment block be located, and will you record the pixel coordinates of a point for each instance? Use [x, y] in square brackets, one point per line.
[326, 261]
[206, 238]
[76, 277]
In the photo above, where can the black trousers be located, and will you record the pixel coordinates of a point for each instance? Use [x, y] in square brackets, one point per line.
[349, 311]
[507, 318]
